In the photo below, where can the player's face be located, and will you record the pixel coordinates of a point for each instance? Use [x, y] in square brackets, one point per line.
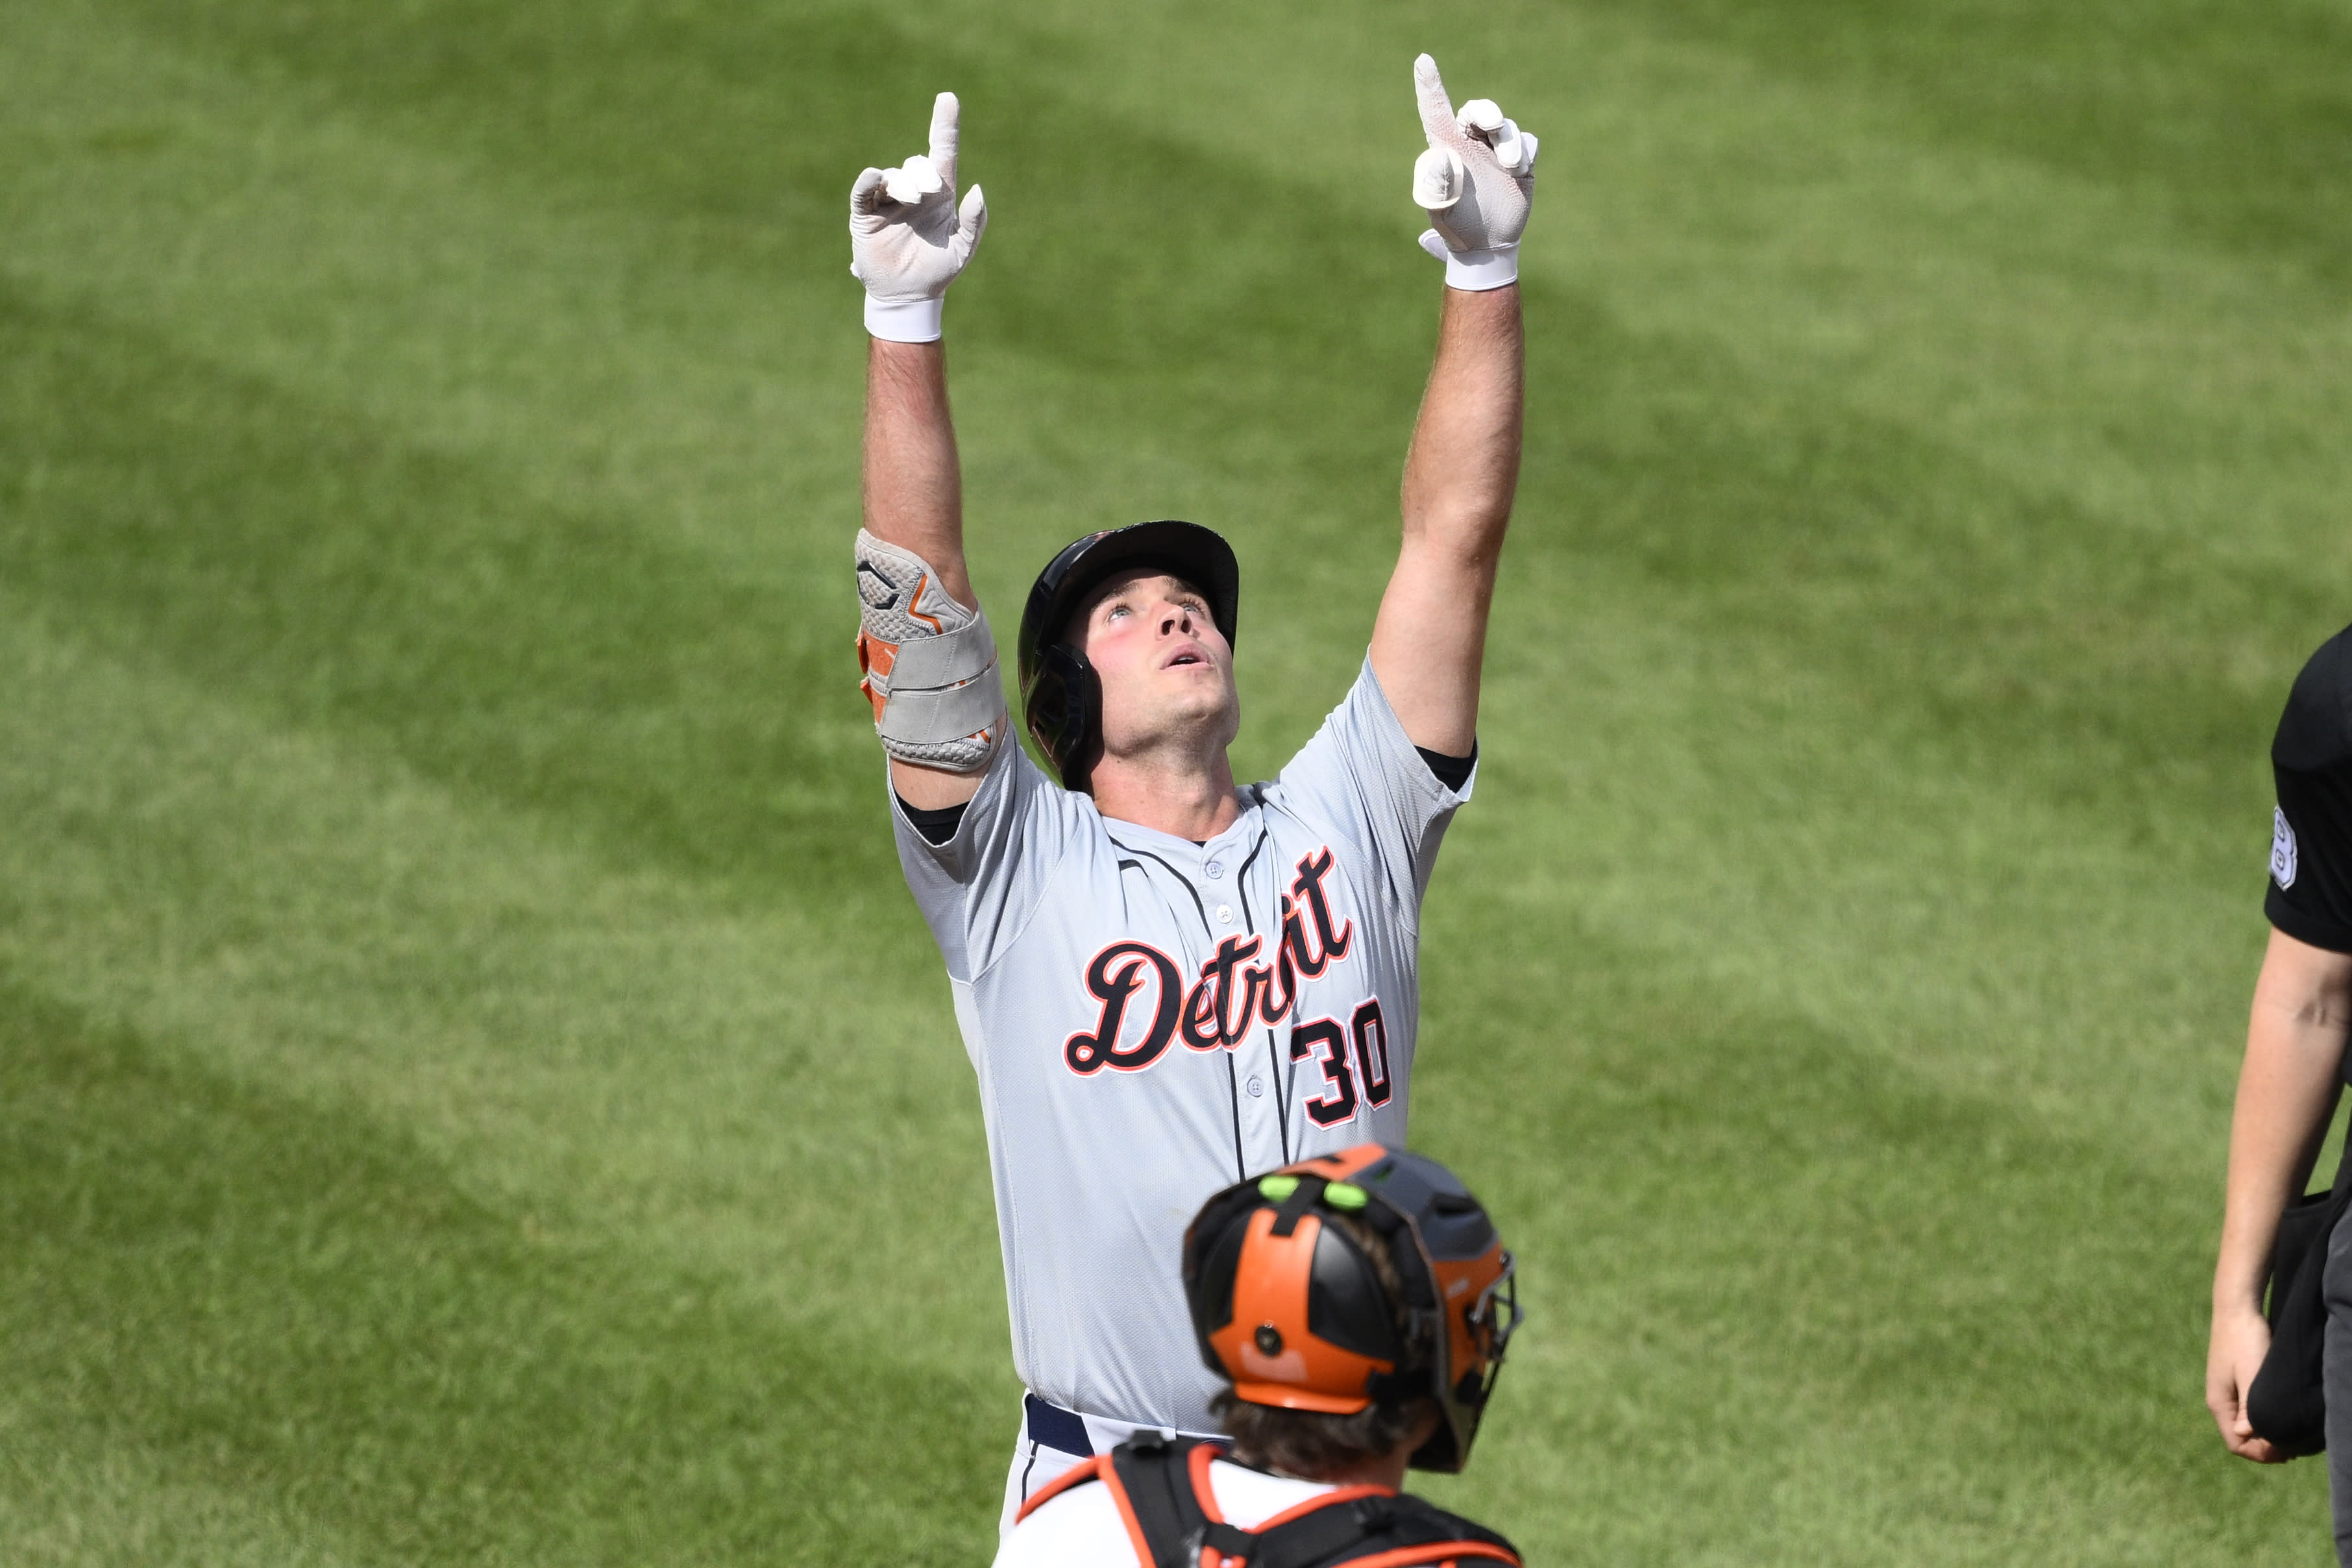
[1166, 671]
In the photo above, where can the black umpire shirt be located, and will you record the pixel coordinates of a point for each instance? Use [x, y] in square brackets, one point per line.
[2311, 832]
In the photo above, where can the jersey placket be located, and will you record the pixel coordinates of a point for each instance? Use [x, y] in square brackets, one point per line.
[1266, 1106]
[1199, 900]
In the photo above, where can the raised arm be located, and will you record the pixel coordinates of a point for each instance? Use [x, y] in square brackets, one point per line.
[1459, 477]
[928, 661]
[1460, 474]
[2287, 1088]
[914, 499]
[913, 491]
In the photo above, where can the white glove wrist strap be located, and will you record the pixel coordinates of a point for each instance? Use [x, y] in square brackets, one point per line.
[907, 321]
[1476, 270]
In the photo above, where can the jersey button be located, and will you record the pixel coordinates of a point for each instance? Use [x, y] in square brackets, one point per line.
[1256, 1085]
[1224, 914]
[1215, 870]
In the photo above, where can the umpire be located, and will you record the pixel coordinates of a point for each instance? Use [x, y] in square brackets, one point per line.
[2293, 1068]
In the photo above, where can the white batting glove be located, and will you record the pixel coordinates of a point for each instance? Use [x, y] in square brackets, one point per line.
[908, 237]
[1476, 183]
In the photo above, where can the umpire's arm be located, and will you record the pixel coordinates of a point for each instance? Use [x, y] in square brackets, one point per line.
[2294, 1050]
[1459, 477]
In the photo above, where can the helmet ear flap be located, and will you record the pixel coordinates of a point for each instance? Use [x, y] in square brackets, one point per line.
[1064, 706]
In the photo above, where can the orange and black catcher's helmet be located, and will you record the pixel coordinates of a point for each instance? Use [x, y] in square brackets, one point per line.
[1292, 1311]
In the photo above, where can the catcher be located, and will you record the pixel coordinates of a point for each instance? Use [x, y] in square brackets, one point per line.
[1356, 1306]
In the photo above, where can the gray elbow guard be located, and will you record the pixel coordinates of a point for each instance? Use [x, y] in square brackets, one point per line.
[927, 665]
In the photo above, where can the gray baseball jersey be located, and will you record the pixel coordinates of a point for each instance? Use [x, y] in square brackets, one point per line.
[1153, 1019]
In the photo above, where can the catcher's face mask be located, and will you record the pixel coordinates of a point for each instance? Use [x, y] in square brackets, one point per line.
[1292, 1311]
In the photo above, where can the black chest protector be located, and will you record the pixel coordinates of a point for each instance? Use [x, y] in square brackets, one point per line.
[1165, 1491]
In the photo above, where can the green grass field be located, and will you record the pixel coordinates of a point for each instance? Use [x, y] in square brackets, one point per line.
[472, 1087]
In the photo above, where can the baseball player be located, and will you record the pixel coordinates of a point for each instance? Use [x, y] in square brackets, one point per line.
[1355, 1308]
[2294, 1067]
[1164, 980]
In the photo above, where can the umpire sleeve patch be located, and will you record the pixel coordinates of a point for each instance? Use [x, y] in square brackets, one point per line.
[2281, 849]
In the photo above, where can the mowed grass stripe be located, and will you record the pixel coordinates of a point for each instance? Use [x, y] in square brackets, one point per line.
[438, 317]
[266, 1295]
[1906, 1296]
[2083, 333]
[307, 287]
[119, 1508]
[551, 659]
[2225, 118]
[1873, 737]
[610, 1056]
[2039, 319]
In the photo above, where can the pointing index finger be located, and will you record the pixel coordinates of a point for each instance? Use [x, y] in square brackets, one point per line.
[1436, 109]
[944, 136]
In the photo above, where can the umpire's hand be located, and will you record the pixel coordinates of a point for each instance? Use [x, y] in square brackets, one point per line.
[2241, 1339]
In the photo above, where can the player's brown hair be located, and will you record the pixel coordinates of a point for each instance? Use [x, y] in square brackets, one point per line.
[1310, 1444]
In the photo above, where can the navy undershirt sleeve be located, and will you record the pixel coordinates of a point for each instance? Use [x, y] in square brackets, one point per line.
[1452, 772]
[936, 826]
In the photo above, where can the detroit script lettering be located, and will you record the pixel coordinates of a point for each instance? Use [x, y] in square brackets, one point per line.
[1230, 992]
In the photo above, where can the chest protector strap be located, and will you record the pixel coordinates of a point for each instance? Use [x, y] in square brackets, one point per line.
[1162, 1489]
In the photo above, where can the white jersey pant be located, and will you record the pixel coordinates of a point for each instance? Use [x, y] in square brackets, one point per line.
[1054, 1439]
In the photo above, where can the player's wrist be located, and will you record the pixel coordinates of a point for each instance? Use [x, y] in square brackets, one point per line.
[1475, 271]
[905, 321]
[1476, 181]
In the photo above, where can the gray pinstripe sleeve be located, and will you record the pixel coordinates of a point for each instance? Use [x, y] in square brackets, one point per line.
[1362, 777]
[979, 888]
